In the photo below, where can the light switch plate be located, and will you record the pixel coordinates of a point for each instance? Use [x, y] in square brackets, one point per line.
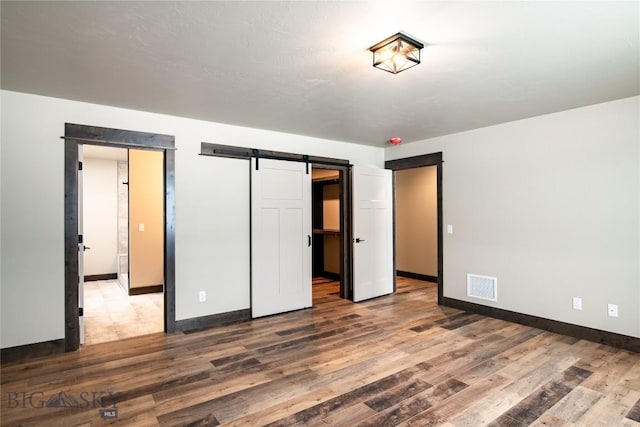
[612, 310]
[140, 227]
[449, 228]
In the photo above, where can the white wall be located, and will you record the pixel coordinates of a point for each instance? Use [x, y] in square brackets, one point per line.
[100, 201]
[551, 207]
[212, 231]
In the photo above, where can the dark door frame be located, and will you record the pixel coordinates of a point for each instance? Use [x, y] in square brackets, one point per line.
[434, 159]
[344, 185]
[80, 134]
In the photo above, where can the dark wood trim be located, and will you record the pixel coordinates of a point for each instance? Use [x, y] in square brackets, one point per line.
[393, 225]
[146, 290]
[344, 186]
[438, 161]
[414, 162]
[235, 152]
[169, 241]
[418, 276]
[71, 278]
[122, 139]
[433, 159]
[346, 219]
[96, 277]
[118, 137]
[613, 339]
[31, 351]
[199, 323]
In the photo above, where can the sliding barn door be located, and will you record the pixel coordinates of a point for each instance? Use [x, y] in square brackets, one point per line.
[372, 232]
[280, 237]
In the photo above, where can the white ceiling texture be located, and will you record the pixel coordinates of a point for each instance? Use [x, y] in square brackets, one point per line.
[304, 67]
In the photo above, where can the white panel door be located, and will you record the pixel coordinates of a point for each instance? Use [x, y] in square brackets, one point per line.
[280, 237]
[372, 233]
[81, 246]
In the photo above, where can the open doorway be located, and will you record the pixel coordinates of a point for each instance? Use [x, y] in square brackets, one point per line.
[416, 213]
[328, 234]
[418, 219]
[76, 137]
[121, 186]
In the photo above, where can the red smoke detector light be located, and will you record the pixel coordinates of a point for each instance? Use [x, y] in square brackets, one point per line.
[395, 141]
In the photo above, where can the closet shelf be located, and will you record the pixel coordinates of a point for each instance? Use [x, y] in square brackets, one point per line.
[333, 179]
[325, 231]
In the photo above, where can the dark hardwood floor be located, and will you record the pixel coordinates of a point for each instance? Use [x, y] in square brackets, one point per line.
[394, 360]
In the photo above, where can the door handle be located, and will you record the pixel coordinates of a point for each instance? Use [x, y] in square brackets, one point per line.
[86, 248]
[309, 237]
[358, 240]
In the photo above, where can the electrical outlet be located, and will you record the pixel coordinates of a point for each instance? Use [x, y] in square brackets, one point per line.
[202, 296]
[577, 303]
[612, 310]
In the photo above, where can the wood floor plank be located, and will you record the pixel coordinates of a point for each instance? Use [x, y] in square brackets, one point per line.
[537, 403]
[631, 378]
[611, 409]
[500, 401]
[413, 405]
[443, 411]
[634, 412]
[394, 360]
[575, 404]
[272, 413]
[345, 417]
[548, 420]
[618, 364]
[230, 406]
[357, 395]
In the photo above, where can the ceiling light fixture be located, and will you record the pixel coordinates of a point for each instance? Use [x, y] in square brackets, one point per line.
[396, 53]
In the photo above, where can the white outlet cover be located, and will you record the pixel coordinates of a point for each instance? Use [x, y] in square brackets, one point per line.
[612, 310]
[202, 296]
[577, 303]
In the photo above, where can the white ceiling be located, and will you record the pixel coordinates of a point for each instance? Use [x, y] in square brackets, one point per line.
[303, 67]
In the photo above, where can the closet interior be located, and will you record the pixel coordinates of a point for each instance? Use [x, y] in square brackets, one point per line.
[326, 224]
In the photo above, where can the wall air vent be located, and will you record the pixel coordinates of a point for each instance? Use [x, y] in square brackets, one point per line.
[483, 287]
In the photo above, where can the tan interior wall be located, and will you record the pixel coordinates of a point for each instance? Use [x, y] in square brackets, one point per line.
[416, 221]
[146, 207]
[331, 207]
[331, 221]
[332, 253]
